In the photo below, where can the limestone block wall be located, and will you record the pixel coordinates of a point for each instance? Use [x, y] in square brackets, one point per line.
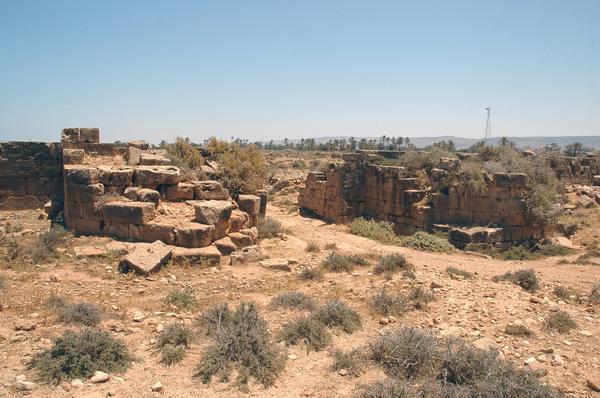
[129, 202]
[30, 174]
[355, 189]
[87, 139]
[575, 170]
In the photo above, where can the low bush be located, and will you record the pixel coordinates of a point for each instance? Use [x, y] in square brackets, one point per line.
[215, 319]
[310, 274]
[392, 263]
[353, 361]
[182, 298]
[483, 248]
[298, 164]
[242, 169]
[296, 300]
[307, 330]
[80, 313]
[56, 303]
[405, 352]
[384, 303]
[380, 231]
[459, 272]
[172, 343]
[80, 354]
[560, 321]
[312, 247]
[185, 155]
[595, 294]
[523, 252]
[47, 243]
[563, 293]
[419, 297]
[389, 388]
[242, 345]
[336, 313]
[268, 228]
[336, 262]
[427, 242]
[330, 246]
[517, 330]
[525, 278]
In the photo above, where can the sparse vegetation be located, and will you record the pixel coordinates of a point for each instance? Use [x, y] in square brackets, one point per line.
[336, 313]
[353, 361]
[427, 242]
[459, 272]
[172, 343]
[560, 321]
[215, 319]
[80, 313]
[307, 330]
[268, 228]
[295, 300]
[336, 262]
[312, 247]
[384, 303]
[182, 298]
[79, 355]
[419, 297]
[392, 263]
[185, 155]
[330, 246]
[310, 274]
[388, 388]
[517, 330]
[241, 344]
[563, 293]
[380, 231]
[595, 294]
[525, 278]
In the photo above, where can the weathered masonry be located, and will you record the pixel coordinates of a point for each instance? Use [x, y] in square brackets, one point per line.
[358, 188]
[130, 192]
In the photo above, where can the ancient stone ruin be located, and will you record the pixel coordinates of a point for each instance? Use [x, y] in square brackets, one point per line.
[131, 192]
[357, 188]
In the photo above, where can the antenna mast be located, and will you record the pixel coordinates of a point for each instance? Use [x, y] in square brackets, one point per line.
[488, 125]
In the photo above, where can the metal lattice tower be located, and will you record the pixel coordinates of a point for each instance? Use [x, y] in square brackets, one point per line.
[488, 125]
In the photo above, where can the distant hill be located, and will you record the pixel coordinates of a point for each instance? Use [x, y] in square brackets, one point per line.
[589, 141]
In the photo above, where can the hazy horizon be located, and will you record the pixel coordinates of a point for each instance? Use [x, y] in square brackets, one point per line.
[271, 70]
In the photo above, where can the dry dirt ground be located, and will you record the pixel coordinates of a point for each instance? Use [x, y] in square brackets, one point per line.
[469, 308]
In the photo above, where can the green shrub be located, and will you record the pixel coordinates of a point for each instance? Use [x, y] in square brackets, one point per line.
[460, 272]
[81, 313]
[483, 248]
[354, 361]
[472, 174]
[336, 313]
[392, 263]
[525, 278]
[242, 169]
[172, 343]
[182, 298]
[45, 247]
[215, 319]
[380, 231]
[517, 330]
[384, 303]
[427, 242]
[298, 164]
[79, 355]
[419, 297]
[560, 321]
[405, 352]
[184, 155]
[307, 330]
[295, 300]
[56, 303]
[312, 247]
[243, 345]
[336, 262]
[309, 273]
[268, 228]
[563, 293]
[389, 388]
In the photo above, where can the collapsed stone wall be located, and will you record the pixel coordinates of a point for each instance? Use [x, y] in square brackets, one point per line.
[30, 174]
[357, 188]
[584, 170]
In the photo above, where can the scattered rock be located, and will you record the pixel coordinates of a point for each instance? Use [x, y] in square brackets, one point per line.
[593, 384]
[384, 321]
[26, 326]
[343, 372]
[138, 316]
[99, 377]
[276, 263]
[248, 254]
[486, 343]
[76, 383]
[157, 387]
[146, 258]
[25, 385]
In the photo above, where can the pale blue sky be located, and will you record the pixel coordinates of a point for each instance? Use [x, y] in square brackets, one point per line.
[274, 69]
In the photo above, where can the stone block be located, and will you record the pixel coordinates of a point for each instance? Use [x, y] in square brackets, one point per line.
[21, 202]
[247, 255]
[208, 255]
[81, 175]
[73, 156]
[118, 229]
[510, 180]
[128, 212]
[240, 240]
[13, 186]
[192, 234]
[153, 231]
[83, 193]
[89, 135]
[262, 194]
[146, 258]
[148, 195]
[249, 204]
[181, 191]
[209, 190]
[150, 159]
[92, 227]
[152, 176]
[225, 246]
[238, 220]
[214, 212]
[116, 175]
